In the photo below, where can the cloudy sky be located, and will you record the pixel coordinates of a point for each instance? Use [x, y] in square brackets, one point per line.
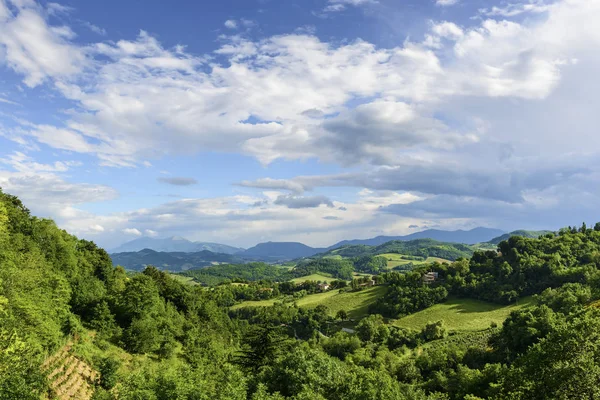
[241, 121]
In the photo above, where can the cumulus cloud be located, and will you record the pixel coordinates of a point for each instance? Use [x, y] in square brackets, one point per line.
[499, 111]
[506, 182]
[132, 231]
[178, 181]
[35, 49]
[231, 24]
[120, 118]
[303, 202]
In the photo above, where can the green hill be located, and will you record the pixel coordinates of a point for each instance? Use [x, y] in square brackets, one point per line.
[521, 233]
[419, 248]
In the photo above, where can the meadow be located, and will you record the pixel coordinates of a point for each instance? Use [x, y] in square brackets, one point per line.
[462, 315]
[319, 277]
[395, 260]
[354, 303]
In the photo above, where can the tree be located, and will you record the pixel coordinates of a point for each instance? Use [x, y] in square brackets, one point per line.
[341, 315]
[261, 345]
[564, 365]
[108, 372]
[434, 331]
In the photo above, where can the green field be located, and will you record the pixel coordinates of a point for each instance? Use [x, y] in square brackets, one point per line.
[184, 279]
[354, 303]
[314, 277]
[462, 315]
[395, 260]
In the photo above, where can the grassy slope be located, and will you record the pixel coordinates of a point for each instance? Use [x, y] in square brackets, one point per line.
[395, 259]
[462, 315]
[184, 279]
[355, 303]
[314, 277]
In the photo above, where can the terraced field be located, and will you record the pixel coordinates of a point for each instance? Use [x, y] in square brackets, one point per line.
[70, 378]
[462, 315]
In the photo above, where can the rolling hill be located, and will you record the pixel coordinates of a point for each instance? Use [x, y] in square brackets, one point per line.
[420, 247]
[523, 233]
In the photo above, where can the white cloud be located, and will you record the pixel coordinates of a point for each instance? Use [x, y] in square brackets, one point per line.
[446, 2]
[96, 228]
[132, 231]
[460, 112]
[275, 81]
[150, 233]
[35, 49]
[23, 163]
[340, 5]
[231, 24]
[514, 9]
[94, 28]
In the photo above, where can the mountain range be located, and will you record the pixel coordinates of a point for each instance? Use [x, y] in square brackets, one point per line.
[279, 251]
[174, 244]
[172, 261]
[177, 253]
[476, 235]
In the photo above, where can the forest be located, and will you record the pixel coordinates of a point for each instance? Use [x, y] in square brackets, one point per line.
[150, 336]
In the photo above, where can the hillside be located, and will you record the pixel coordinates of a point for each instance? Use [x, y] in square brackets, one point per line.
[419, 248]
[459, 315]
[171, 261]
[472, 236]
[74, 326]
[174, 244]
[522, 233]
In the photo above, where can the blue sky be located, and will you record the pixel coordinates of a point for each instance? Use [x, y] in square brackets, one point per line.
[243, 121]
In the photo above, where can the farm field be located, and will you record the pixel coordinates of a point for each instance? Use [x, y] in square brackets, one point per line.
[462, 315]
[354, 303]
[395, 260]
[314, 277]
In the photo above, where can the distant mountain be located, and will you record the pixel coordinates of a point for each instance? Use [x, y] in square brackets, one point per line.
[472, 236]
[523, 233]
[279, 251]
[175, 243]
[171, 261]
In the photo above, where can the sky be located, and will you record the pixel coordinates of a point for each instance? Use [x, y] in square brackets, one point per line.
[244, 121]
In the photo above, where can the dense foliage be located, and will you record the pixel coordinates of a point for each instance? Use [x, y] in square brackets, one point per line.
[255, 271]
[153, 337]
[421, 248]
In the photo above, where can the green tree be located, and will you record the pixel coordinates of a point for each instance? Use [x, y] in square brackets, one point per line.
[342, 315]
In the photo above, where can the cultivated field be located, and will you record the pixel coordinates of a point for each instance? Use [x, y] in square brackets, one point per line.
[462, 315]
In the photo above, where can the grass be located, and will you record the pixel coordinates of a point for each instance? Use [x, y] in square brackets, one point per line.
[462, 315]
[395, 260]
[314, 277]
[187, 280]
[354, 303]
